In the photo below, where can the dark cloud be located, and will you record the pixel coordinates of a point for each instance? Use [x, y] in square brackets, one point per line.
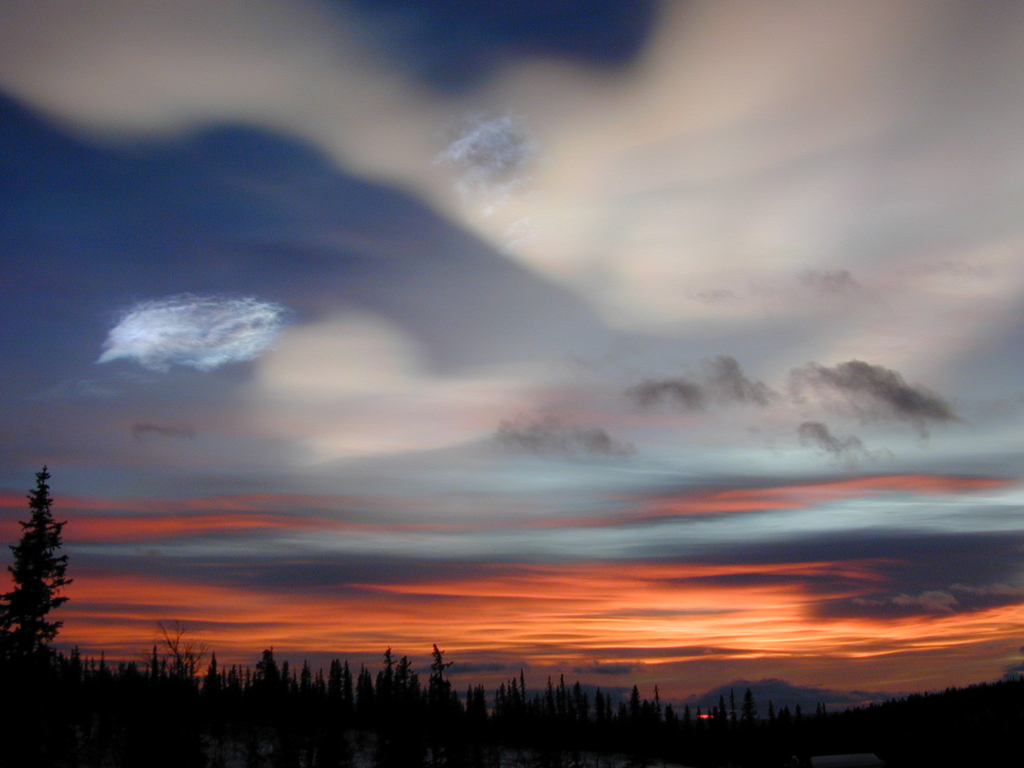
[610, 668]
[979, 570]
[724, 382]
[835, 282]
[451, 45]
[666, 651]
[929, 576]
[1006, 590]
[143, 430]
[727, 383]
[682, 392]
[465, 667]
[847, 449]
[873, 392]
[929, 601]
[548, 436]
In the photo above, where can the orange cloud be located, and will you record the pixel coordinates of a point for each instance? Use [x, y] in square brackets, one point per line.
[806, 495]
[135, 519]
[125, 528]
[242, 502]
[554, 616]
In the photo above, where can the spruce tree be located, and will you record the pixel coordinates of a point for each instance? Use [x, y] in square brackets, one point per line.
[38, 575]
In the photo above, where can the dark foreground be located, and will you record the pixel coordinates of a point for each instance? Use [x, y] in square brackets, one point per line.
[85, 713]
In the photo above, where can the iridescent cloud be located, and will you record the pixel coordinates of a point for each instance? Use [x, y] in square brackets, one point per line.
[203, 332]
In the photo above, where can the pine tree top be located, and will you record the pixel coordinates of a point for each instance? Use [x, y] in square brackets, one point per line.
[38, 573]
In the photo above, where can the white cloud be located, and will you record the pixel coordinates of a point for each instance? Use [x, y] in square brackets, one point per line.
[202, 332]
[356, 385]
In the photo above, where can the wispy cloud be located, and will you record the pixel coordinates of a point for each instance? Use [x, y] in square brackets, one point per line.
[830, 282]
[724, 382]
[491, 155]
[143, 430]
[803, 496]
[727, 383]
[847, 449]
[932, 601]
[549, 436]
[203, 332]
[104, 388]
[607, 668]
[679, 391]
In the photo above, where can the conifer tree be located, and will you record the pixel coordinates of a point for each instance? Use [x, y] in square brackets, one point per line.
[439, 690]
[38, 575]
[749, 710]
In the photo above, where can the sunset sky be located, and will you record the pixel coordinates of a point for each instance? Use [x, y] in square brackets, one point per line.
[668, 343]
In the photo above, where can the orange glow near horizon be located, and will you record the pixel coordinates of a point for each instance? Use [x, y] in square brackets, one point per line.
[553, 616]
[548, 616]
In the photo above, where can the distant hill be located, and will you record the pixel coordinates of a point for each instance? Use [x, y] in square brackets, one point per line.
[785, 694]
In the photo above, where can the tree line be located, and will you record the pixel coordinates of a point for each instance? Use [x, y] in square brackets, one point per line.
[181, 709]
[276, 715]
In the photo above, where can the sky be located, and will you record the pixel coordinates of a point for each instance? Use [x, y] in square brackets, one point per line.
[668, 343]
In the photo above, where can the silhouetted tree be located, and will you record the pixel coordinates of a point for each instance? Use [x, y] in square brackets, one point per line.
[364, 698]
[38, 573]
[443, 710]
[749, 710]
[184, 655]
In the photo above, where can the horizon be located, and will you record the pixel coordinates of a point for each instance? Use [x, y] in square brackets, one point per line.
[656, 343]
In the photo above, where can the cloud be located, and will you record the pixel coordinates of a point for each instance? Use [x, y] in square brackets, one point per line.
[988, 590]
[873, 392]
[933, 601]
[202, 332]
[547, 436]
[358, 384]
[650, 391]
[724, 382]
[714, 296]
[727, 382]
[452, 48]
[465, 667]
[140, 431]
[607, 668]
[841, 448]
[491, 155]
[830, 282]
[92, 389]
